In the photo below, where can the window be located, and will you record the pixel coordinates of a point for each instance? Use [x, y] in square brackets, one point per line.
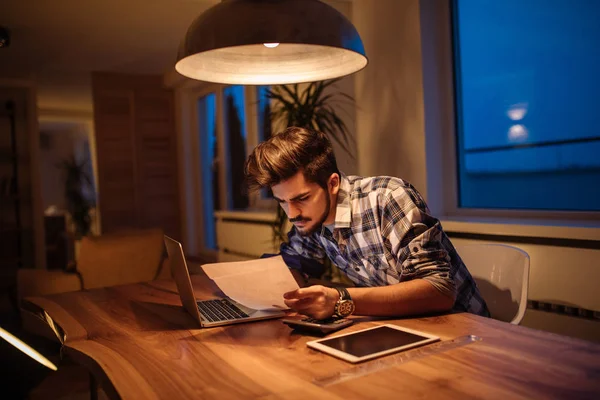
[232, 120]
[207, 114]
[235, 134]
[263, 112]
[263, 117]
[527, 101]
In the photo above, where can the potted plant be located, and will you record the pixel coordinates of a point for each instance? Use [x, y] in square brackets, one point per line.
[78, 194]
[312, 107]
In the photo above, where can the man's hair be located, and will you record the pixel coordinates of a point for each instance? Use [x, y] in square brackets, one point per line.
[288, 152]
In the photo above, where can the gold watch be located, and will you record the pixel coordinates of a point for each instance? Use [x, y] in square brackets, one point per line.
[344, 306]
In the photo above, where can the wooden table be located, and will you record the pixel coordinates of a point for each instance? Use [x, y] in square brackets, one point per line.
[139, 344]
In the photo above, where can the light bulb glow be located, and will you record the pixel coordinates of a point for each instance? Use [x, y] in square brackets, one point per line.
[25, 348]
[271, 45]
[517, 112]
[518, 133]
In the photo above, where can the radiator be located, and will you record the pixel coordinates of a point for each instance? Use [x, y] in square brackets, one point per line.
[244, 235]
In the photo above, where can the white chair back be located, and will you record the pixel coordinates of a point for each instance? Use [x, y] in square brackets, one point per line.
[502, 275]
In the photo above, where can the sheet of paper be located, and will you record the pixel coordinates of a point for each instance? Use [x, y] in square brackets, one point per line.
[258, 284]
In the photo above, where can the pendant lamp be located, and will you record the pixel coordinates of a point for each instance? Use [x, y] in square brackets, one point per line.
[264, 42]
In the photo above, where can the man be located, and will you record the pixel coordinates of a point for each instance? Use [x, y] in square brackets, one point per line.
[377, 230]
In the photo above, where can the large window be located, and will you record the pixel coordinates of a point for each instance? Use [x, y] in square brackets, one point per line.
[207, 130]
[263, 112]
[235, 132]
[232, 120]
[528, 101]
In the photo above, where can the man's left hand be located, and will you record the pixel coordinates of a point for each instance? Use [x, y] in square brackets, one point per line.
[314, 301]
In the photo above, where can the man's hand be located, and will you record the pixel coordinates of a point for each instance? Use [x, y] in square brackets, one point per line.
[314, 301]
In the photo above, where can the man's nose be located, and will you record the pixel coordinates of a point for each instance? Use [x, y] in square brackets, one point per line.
[294, 211]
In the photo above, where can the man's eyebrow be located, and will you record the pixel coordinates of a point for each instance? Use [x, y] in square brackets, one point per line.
[293, 198]
[299, 196]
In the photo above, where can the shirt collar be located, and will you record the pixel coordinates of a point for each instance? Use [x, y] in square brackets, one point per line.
[343, 211]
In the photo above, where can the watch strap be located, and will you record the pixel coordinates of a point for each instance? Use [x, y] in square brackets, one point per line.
[344, 294]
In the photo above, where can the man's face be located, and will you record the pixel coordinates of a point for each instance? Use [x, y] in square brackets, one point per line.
[307, 205]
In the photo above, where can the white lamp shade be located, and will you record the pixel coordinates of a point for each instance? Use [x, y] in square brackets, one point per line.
[234, 42]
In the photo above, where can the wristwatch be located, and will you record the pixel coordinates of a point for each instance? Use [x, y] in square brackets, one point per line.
[344, 306]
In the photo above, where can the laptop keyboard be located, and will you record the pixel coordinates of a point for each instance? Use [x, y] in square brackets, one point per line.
[220, 310]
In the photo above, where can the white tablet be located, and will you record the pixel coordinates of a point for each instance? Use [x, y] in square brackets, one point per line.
[373, 342]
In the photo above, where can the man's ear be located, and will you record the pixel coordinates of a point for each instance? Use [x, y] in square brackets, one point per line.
[333, 184]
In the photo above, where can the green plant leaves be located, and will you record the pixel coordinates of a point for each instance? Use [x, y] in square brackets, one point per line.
[312, 108]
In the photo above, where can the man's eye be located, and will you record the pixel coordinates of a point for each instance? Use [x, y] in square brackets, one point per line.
[304, 198]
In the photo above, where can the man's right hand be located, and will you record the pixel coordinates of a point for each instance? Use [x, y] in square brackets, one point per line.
[314, 301]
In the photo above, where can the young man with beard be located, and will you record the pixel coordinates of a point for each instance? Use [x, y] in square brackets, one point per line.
[376, 230]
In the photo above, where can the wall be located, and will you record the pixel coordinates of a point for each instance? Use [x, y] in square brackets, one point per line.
[389, 91]
[68, 91]
[347, 163]
[24, 94]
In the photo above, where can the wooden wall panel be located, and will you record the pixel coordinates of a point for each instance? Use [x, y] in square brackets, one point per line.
[156, 162]
[136, 144]
[113, 110]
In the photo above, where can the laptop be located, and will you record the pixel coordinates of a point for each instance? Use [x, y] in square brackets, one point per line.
[213, 312]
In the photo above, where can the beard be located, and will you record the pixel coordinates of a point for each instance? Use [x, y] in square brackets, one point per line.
[309, 230]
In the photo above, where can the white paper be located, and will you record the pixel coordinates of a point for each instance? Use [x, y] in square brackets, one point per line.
[258, 284]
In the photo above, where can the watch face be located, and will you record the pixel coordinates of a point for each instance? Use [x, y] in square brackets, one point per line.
[345, 307]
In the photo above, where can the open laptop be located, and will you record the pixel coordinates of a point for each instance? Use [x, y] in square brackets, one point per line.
[214, 312]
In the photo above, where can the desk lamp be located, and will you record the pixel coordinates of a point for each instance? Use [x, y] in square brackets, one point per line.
[25, 348]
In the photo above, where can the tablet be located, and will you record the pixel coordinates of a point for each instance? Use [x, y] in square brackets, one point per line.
[373, 342]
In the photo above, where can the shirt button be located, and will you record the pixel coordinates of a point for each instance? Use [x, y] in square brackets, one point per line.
[356, 268]
[415, 249]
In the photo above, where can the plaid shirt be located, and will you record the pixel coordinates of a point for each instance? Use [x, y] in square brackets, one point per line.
[383, 234]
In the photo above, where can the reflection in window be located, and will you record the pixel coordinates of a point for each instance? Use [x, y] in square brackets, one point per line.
[210, 166]
[527, 87]
[235, 134]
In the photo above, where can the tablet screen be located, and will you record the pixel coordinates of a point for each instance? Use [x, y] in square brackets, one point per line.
[372, 342]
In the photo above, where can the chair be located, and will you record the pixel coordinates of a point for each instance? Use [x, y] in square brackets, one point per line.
[502, 275]
[106, 260]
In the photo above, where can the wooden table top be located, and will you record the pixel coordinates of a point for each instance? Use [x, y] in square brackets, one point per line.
[140, 344]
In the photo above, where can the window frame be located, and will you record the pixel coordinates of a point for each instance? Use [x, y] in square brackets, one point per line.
[442, 127]
[193, 92]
